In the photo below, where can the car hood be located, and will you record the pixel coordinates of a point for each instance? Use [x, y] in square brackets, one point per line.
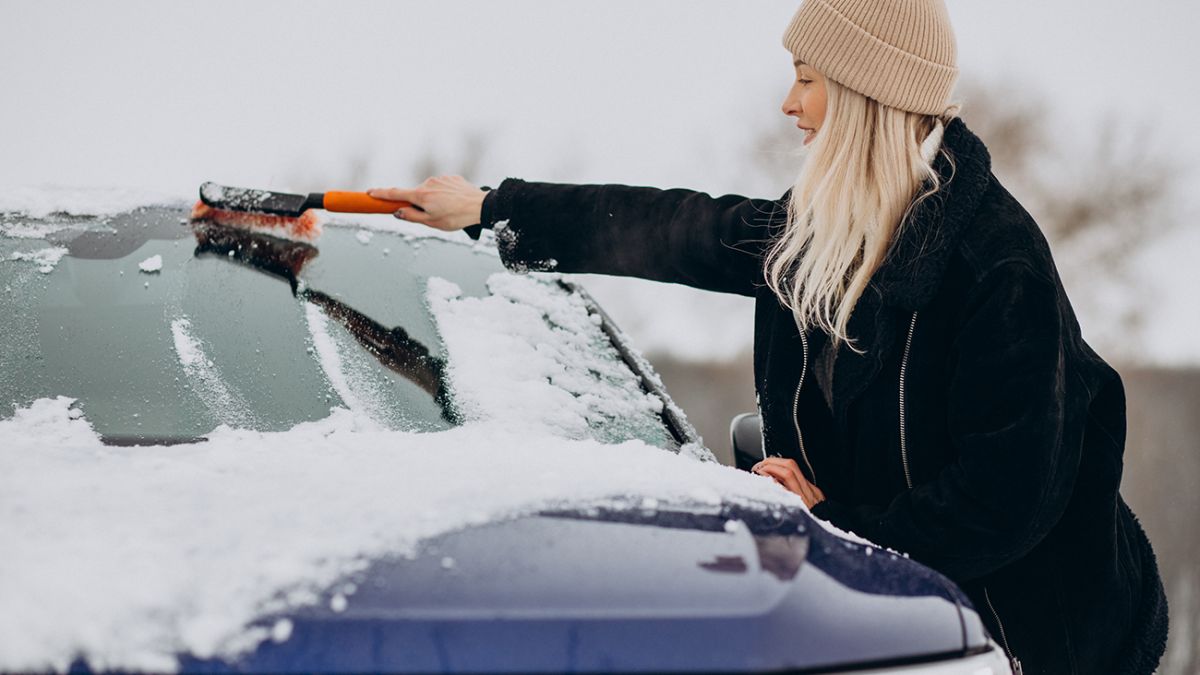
[645, 591]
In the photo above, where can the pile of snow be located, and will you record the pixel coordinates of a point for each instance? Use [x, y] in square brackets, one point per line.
[18, 229]
[39, 202]
[532, 355]
[45, 259]
[151, 265]
[128, 555]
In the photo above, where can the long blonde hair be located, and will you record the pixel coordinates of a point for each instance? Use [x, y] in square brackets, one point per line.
[858, 185]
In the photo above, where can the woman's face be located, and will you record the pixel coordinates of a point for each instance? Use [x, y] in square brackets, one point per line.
[806, 100]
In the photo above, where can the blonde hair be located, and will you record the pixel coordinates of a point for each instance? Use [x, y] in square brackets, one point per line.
[856, 188]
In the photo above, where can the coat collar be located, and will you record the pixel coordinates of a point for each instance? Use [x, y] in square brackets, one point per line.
[910, 275]
[913, 270]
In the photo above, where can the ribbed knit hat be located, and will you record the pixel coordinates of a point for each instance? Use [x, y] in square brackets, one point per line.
[898, 52]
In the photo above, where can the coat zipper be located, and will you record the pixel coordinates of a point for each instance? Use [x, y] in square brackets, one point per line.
[912, 325]
[1016, 663]
[796, 408]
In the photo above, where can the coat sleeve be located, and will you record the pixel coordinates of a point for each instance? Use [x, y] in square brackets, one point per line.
[677, 235]
[1017, 449]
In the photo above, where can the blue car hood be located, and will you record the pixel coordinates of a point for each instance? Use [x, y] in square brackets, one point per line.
[574, 591]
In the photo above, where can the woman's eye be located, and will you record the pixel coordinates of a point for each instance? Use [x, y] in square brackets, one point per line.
[803, 81]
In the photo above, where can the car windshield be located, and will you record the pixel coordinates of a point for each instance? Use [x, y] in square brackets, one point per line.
[164, 330]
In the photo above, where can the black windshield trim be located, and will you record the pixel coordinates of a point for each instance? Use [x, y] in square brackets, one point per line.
[682, 432]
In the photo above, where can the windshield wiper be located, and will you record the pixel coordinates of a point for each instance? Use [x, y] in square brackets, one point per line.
[393, 347]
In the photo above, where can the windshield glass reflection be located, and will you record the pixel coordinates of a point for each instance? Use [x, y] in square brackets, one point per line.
[393, 347]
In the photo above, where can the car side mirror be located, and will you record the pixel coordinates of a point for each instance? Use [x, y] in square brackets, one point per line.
[745, 434]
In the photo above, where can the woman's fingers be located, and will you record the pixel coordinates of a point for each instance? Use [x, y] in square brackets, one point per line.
[428, 190]
[817, 494]
[787, 473]
[786, 479]
[788, 465]
[442, 202]
[394, 194]
[789, 481]
[413, 214]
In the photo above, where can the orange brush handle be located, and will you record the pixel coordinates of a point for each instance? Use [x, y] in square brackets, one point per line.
[360, 202]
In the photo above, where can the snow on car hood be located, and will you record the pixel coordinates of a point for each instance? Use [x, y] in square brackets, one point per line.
[126, 556]
[39, 202]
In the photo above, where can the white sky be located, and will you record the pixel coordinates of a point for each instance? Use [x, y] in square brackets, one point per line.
[166, 95]
[290, 95]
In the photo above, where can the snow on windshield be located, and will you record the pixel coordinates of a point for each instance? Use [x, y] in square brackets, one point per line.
[531, 355]
[224, 403]
[126, 556]
[350, 378]
[45, 259]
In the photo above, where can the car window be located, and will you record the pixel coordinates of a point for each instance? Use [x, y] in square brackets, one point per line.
[164, 331]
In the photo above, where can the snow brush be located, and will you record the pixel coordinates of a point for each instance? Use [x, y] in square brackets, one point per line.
[281, 214]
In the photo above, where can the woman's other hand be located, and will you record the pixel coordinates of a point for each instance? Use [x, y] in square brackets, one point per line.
[442, 202]
[787, 473]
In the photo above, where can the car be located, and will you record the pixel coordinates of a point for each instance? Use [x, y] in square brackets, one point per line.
[382, 451]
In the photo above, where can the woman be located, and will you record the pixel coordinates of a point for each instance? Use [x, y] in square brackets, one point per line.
[921, 376]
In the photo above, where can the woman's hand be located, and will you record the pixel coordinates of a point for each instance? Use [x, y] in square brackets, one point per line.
[787, 473]
[442, 202]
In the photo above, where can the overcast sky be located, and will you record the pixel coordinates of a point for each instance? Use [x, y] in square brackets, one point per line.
[165, 95]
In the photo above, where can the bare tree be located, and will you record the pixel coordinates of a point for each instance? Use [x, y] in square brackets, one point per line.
[1098, 205]
[1098, 202]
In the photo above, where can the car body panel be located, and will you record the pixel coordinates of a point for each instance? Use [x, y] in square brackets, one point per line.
[553, 593]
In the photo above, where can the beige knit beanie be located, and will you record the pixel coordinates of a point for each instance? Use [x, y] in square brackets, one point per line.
[898, 52]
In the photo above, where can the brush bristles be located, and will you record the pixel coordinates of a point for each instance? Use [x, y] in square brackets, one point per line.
[306, 227]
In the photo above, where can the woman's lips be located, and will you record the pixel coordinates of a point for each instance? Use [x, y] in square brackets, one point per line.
[809, 134]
